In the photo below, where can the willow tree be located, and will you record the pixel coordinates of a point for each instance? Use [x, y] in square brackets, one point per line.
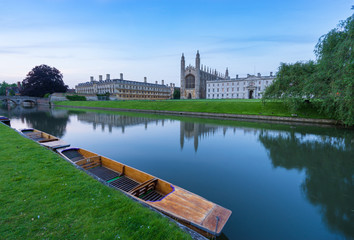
[328, 82]
[334, 80]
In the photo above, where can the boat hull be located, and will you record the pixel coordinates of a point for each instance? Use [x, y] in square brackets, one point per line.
[187, 208]
[44, 139]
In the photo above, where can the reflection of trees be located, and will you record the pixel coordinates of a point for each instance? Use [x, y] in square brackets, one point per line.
[40, 117]
[47, 123]
[329, 165]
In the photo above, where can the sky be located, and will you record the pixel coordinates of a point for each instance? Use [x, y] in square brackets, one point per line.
[146, 38]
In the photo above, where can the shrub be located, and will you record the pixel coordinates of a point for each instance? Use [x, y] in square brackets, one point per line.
[76, 98]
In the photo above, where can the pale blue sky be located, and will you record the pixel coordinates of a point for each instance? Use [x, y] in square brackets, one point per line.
[147, 37]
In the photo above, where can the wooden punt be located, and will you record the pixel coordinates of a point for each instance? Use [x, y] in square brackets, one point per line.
[44, 139]
[188, 208]
[5, 120]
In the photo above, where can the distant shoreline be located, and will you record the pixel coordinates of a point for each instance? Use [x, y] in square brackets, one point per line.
[226, 116]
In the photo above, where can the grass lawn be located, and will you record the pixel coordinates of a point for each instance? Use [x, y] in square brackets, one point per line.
[43, 196]
[235, 106]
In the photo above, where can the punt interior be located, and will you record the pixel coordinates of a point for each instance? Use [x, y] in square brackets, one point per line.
[130, 180]
[38, 136]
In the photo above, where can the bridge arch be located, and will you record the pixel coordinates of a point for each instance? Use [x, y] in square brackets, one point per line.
[28, 103]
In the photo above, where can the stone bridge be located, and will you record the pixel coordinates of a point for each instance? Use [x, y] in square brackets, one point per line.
[19, 100]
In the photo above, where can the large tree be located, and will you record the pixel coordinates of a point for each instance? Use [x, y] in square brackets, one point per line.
[328, 82]
[41, 80]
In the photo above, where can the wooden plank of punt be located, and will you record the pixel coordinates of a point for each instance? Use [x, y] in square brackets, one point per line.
[55, 144]
[193, 209]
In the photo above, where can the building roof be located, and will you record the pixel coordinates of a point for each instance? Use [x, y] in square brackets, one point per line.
[123, 82]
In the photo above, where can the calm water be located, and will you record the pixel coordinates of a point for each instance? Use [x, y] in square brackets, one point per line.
[280, 181]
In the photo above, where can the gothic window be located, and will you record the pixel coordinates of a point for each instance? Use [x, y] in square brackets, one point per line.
[190, 81]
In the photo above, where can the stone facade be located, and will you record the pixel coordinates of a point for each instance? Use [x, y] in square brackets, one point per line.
[203, 82]
[193, 79]
[124, 89]
[250, 87]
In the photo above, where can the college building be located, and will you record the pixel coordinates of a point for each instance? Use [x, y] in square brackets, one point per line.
[122, 89]
[203, 82]
[250, 87]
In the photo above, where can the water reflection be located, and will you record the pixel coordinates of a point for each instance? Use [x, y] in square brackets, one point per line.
[113, 120]
[329, 165]
[325, 156]
[40, 117]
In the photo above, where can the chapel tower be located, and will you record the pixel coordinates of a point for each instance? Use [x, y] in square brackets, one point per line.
[193, 79]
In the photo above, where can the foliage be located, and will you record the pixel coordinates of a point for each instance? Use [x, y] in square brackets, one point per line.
[76, 98]
[46, 95]
[290, 83]
[41, 80]
[328, 82]
[335, 77]
[3, 87]
[45, 197]
[176, 93]
[104, 96]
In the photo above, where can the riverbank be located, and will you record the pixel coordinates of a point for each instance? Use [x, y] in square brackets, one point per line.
[44, 196]
[225, 109]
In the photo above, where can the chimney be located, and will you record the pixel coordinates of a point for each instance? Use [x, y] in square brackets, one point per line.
[258, 74]
[145, 80]
[100, 77]
[121, 76]
[173, 85]
[156, 82]
[271, 74]
[170, 84]
[236, 76]
[163, 82]
[19, 85]
[108, 77]
[91, 78]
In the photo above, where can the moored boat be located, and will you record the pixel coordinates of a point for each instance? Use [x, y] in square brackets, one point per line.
[5, 120]
[44, 139]
[187, 208]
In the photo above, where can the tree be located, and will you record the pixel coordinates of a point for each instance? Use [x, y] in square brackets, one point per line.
[3, 87]
[176, 93]
[335, 57]
[290, 83]
[41, 80]
[329, 80]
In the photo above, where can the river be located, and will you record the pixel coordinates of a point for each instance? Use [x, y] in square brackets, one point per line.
[281, 181]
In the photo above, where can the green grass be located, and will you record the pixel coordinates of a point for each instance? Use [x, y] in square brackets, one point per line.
[240, 106]
[43, 196]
